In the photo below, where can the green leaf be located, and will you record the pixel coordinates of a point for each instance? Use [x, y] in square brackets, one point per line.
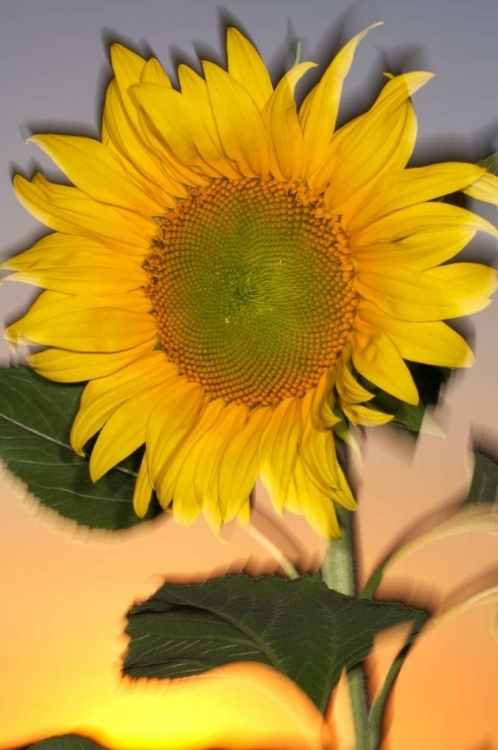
[428, 380]
[35, 421]
[484, 480]
[490, 163]
[66, 742]
[301, 628]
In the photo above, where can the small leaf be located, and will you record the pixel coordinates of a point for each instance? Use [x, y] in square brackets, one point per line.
[66, 742]
[301, 628]
[490, 163]
[35, 421]
[484, 480]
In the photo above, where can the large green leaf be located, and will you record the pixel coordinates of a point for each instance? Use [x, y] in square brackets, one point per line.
[299, 627]
[35, 422]
[66, 742]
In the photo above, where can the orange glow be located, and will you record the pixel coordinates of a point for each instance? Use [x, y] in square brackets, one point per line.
[237, 706]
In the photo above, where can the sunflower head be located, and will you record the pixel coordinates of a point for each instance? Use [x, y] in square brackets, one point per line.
[230, 270]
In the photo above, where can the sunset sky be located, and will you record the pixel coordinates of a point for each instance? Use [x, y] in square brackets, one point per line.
[64, 591]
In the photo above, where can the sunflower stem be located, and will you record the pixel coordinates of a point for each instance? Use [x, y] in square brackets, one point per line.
[338, 573]
[274, 551]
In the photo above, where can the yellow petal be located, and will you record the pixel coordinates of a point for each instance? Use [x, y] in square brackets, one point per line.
[317, 507]
[84, 324]
[103, 397]
[131, 70]
[377, 359]
[119, 133]
[164, 107]
[319, 459]
[246, 65]
[206, 475]
[239, 467]
[402, 188]
[475, 277]
[371, 144]
[320, 413]
[484, 189]
[318, 113]
[68, 210]
[64, 366]
[278, 449]
[175, 416]
[53, 249]
[238, 121]
[123, 432]
[421, 218]
[97, 171]
[244, 513]
[432, 343]
[422, 250]
[85, 272]
[365, 415]
[150, 362]
[153, 72]
[200, 122]
[126, 64]
[186, 503]
[143, 490]
[349, 389]
[420, 295]
[282, 121]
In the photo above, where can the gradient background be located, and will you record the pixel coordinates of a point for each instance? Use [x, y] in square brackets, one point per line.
[64, 591]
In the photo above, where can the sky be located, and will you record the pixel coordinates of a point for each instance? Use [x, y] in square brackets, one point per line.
[64, 591]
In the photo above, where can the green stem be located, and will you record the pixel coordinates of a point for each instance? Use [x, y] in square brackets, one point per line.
[339, 574]
[275, 551]
[377, 711]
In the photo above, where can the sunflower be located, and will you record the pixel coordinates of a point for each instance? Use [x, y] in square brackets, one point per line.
[227, 265]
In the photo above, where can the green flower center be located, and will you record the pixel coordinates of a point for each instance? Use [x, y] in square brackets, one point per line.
[251, 285]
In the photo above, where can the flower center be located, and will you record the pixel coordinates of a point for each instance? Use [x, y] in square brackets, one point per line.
[251, 285]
